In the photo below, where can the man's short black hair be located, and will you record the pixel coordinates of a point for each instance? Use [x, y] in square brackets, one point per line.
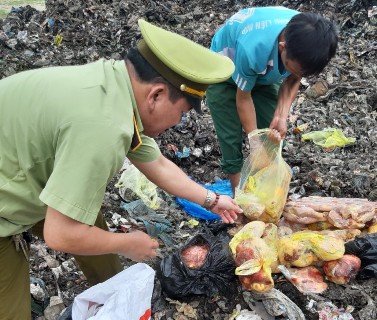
[311, 40]
[148, 74]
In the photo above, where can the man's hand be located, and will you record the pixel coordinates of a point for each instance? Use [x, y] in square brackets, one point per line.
[141, 247]
[279, 128]
[227, 208]
[287, 93]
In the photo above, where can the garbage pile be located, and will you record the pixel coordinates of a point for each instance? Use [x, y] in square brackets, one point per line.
[343, 97]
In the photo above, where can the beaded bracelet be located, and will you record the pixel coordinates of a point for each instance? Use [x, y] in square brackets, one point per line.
[215, 202]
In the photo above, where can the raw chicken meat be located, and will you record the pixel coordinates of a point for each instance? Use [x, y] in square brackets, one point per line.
[195, 256]
[341, 271]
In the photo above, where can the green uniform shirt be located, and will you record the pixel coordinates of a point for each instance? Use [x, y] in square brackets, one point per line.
[64, 133]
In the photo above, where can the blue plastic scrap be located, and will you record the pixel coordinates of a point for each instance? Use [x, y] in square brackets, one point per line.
[195, 210]
[155, 224]
[184, 154]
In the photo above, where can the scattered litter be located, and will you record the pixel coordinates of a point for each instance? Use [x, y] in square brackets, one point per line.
[372, 15]
[295, 170]
[184, 154]
[328, 138]
[318, 89]
[276, 304]
[328, 311]
[136, 181]
[193, 222]
[301, 128]
[184, 308]
[39, 296]
[157, 225]
[248, 315]
[55, 307]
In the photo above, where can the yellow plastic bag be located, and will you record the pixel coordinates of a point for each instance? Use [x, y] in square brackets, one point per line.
[136, 181]
[265, 178]
[303, 248]
[257, 241]
[328, 138]
[254, 229]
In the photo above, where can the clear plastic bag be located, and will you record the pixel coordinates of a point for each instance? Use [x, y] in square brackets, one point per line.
[265, 178]
[136, 181]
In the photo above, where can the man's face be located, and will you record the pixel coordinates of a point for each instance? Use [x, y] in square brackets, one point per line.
[292, 66]
[164, 115]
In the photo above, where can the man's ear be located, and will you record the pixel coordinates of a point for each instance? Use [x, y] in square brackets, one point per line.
[155, 95]
[281, 45]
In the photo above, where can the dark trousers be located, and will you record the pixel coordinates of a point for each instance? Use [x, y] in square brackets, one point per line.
[15, 301]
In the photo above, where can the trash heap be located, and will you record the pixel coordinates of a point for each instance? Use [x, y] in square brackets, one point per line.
[343, 97]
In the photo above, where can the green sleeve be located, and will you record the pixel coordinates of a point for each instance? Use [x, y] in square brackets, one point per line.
[148, 151]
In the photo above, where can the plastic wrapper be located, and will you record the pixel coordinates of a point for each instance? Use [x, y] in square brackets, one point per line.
[328, 138]
[136, 181]
[265, 178]
[214, 276]
[253, 263]
[303, 248]
[254, 250]
[365, 247]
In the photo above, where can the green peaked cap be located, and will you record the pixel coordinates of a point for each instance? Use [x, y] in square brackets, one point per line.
[187, 65]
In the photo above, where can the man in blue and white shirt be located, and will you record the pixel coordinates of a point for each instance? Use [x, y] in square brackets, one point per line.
[272, 48]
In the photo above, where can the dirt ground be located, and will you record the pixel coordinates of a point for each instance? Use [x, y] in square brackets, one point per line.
[103, 28]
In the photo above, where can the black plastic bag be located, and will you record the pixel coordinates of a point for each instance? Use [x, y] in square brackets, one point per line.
[365, 247]
[67, 314]
[215, 276]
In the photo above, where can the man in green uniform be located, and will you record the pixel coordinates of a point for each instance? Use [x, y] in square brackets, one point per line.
[64, 133]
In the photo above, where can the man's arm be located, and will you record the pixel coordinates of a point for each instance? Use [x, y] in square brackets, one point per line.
[68, 235]
[173, 180]
[246, 110]
[287, 93]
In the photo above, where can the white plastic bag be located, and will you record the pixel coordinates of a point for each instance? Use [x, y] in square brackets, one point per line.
[127, 295]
